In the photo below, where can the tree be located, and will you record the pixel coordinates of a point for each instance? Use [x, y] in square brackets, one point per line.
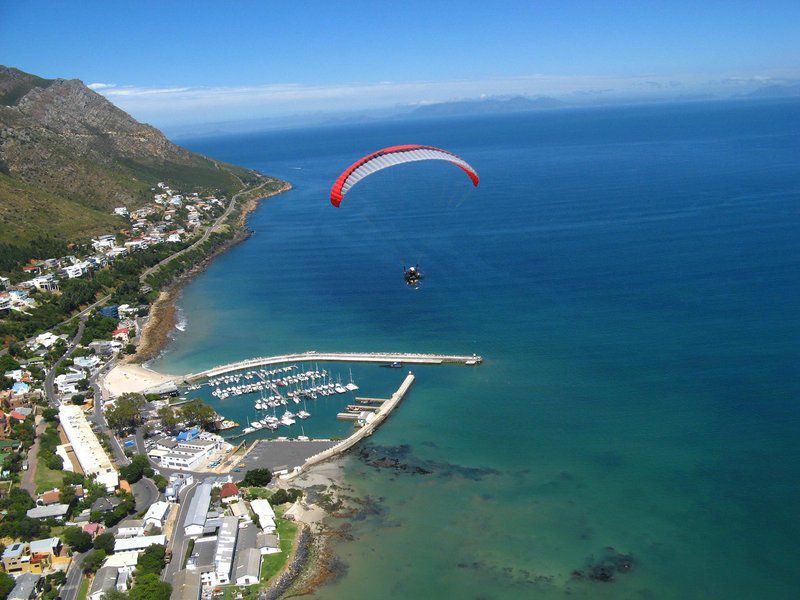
[6, 584]
[114, 594]
[138, 467]
[77, 539]
[160, 481]
[167, 417]
[151, 560]
[257, 478]
[67, 495]
[93, 561]
[50, 414]
[197, 413]
[150, 587]
[125, 412]
[104, 541]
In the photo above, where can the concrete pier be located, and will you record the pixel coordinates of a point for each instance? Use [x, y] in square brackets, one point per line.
[383, 413]
[353, 357]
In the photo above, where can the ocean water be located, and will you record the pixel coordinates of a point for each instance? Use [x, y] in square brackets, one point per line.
[630, 276]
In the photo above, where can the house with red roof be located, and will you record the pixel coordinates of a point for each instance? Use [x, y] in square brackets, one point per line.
[229, 493]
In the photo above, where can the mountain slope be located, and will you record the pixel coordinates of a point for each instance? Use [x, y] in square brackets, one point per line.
[68, 157]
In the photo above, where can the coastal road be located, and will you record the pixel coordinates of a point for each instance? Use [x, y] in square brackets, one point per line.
[100, 419]
[206, 234]
[49, 386]
[179, 542]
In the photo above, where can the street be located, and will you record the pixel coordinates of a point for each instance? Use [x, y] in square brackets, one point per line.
[179, 541]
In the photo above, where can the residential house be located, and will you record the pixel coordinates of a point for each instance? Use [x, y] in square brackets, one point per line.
[156, 514]
[106, 504]
[130, 528]
[26, 586]
[54, 511]
[138, 543]
[229, 493]
[104, 581]
[121, 335]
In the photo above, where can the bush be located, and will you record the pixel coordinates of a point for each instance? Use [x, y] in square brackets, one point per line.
[55, 463]
[257, 478]
[282, 496]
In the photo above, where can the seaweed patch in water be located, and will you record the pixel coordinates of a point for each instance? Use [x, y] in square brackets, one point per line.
[399, 459]
[605, 569]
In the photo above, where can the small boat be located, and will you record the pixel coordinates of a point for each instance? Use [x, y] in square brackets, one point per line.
[247, 430]
[257, 424]
[303, 414]
[351, 386]
[393, 365]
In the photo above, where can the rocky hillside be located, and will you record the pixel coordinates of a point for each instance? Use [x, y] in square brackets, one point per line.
[68, 157]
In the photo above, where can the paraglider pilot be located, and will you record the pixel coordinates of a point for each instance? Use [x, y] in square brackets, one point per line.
[412, 275]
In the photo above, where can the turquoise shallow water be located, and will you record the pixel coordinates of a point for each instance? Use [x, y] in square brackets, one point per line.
[630, 275]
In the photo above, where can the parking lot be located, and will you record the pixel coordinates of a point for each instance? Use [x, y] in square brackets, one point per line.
[279, 454]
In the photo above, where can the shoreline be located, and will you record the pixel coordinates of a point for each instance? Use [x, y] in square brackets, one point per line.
[161, 320]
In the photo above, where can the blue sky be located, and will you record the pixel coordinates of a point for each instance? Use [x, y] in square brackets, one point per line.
[180, 61]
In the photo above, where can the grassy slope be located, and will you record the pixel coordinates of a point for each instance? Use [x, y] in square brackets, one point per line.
[27, 212]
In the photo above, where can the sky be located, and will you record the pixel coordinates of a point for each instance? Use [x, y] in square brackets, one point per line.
[183, 62]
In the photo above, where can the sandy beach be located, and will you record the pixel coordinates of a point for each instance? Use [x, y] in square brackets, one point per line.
[132, 378]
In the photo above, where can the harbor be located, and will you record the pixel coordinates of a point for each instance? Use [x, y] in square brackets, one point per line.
[302, 396]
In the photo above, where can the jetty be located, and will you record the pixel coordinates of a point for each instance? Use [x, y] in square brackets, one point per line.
[366, 430]
[350, 357]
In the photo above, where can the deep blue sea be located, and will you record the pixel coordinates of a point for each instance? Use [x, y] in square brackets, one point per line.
[630, 276]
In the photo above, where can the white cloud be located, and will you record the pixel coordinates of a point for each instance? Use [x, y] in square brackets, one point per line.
[101, 86]
[175, 104]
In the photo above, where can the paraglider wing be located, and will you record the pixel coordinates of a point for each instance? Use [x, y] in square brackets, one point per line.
[389, 157]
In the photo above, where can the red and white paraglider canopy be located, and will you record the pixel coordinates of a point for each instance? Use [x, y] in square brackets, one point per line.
[389, 157]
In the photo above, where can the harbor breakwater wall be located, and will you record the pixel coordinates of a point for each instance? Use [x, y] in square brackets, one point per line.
[386, 408]
[355, 357]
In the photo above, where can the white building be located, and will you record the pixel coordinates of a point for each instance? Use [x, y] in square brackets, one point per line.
[130, 528]
[121, 211]
[183, 455]
[266, 516]
[156, 514]
[248, 567]
[87, 448]
[45, 283]
[226, 545]
[138, 544]
[177, 481]
[195, 520]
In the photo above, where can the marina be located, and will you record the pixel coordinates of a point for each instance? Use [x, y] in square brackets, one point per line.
[301, 396]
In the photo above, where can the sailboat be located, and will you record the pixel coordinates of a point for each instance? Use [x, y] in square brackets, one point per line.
[339, 388]
[351, 386]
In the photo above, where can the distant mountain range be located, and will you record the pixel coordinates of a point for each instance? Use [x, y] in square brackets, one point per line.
[68, 157]
[776, 91]
[486, 106]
